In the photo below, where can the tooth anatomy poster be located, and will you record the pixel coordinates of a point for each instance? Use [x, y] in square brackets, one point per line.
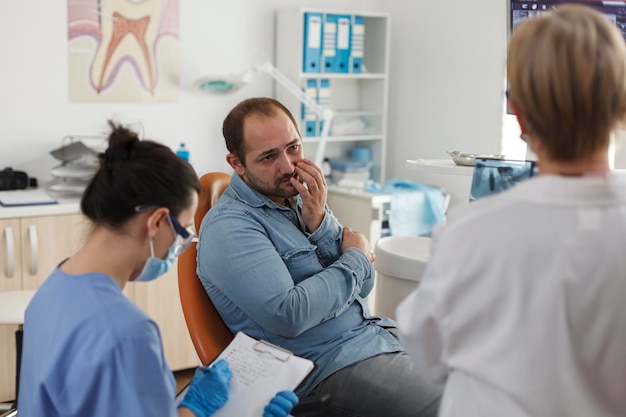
[123, 51]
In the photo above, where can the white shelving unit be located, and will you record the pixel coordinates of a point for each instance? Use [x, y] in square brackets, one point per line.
[359, 96]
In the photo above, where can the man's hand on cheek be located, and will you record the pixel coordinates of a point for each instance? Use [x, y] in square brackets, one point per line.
[313, 193]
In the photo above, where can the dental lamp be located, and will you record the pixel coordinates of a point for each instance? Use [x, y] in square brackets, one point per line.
[231, 83]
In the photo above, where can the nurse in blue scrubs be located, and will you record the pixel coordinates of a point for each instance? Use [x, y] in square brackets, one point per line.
[88, 350]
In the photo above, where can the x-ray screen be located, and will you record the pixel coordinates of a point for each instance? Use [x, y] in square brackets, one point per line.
[521, 10]
[492, 176]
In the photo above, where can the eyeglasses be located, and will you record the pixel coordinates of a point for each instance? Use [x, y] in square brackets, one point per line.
[184, 235]
[507, 94]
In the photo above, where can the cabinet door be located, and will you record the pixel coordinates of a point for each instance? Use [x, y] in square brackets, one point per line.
[10, 258]
[160, 299]
[10, 280]
[7, 362]
[46, 241]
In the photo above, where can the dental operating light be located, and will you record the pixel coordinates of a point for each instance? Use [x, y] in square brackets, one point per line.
[234, 82]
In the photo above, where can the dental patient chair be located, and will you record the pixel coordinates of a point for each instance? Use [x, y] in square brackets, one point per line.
[208, 332]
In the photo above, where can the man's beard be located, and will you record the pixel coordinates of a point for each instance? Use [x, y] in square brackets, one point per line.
[281, 188]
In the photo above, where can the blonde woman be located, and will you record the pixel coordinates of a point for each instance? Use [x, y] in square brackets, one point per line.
[521, 309]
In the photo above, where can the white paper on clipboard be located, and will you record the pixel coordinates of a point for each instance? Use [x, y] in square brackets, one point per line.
[260, 370]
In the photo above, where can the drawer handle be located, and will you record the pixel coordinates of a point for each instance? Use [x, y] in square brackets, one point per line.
[10, 242]
[34, 249]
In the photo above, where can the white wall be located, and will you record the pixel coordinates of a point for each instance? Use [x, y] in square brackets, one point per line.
[447, 62]
[216, 37]
[447, 76]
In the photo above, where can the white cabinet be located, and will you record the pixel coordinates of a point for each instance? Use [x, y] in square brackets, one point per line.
[364, 212]
[358, 99]
[33, 246]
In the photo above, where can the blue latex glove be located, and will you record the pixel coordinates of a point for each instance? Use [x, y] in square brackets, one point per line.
[281, 404]
[208, 390]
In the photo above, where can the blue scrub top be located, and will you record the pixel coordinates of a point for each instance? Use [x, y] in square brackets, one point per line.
[89, 351]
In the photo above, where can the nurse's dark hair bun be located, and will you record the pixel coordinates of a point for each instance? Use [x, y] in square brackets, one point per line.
[122, 140]
[133, 173]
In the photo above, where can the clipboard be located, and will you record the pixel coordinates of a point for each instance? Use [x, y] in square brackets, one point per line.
[260, 370]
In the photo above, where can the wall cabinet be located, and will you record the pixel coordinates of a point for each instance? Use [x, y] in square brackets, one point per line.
[31, 247]
[356, 93]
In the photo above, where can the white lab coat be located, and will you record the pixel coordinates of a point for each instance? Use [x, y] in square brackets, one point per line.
[522, 308]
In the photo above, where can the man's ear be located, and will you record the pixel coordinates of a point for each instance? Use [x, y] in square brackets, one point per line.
[235, 163]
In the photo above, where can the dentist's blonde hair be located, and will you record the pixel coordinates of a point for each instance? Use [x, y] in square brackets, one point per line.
[567, 75]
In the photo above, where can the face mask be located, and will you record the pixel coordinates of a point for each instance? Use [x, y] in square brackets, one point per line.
[155, 267]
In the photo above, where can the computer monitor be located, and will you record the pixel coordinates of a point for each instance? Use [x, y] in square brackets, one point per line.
[492, 176]
[520, 10]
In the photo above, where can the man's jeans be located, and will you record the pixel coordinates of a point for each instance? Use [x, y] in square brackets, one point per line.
[381, 386]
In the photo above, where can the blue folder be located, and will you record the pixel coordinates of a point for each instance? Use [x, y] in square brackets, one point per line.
[329, 45]
[357, 44]
[312, 42]
[323, 99]
[309, 118]
[344, 28]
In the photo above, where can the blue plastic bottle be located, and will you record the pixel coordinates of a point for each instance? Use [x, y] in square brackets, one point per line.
[183, 152]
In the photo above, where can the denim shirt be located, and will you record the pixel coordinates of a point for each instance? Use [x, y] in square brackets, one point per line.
[273, 280]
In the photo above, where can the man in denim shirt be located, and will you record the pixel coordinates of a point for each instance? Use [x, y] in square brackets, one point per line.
[280, 267]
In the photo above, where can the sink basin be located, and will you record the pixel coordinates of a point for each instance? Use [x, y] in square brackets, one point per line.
[400, 263]
[402, 256]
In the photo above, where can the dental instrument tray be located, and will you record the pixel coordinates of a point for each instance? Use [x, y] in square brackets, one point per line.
[468, 159]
